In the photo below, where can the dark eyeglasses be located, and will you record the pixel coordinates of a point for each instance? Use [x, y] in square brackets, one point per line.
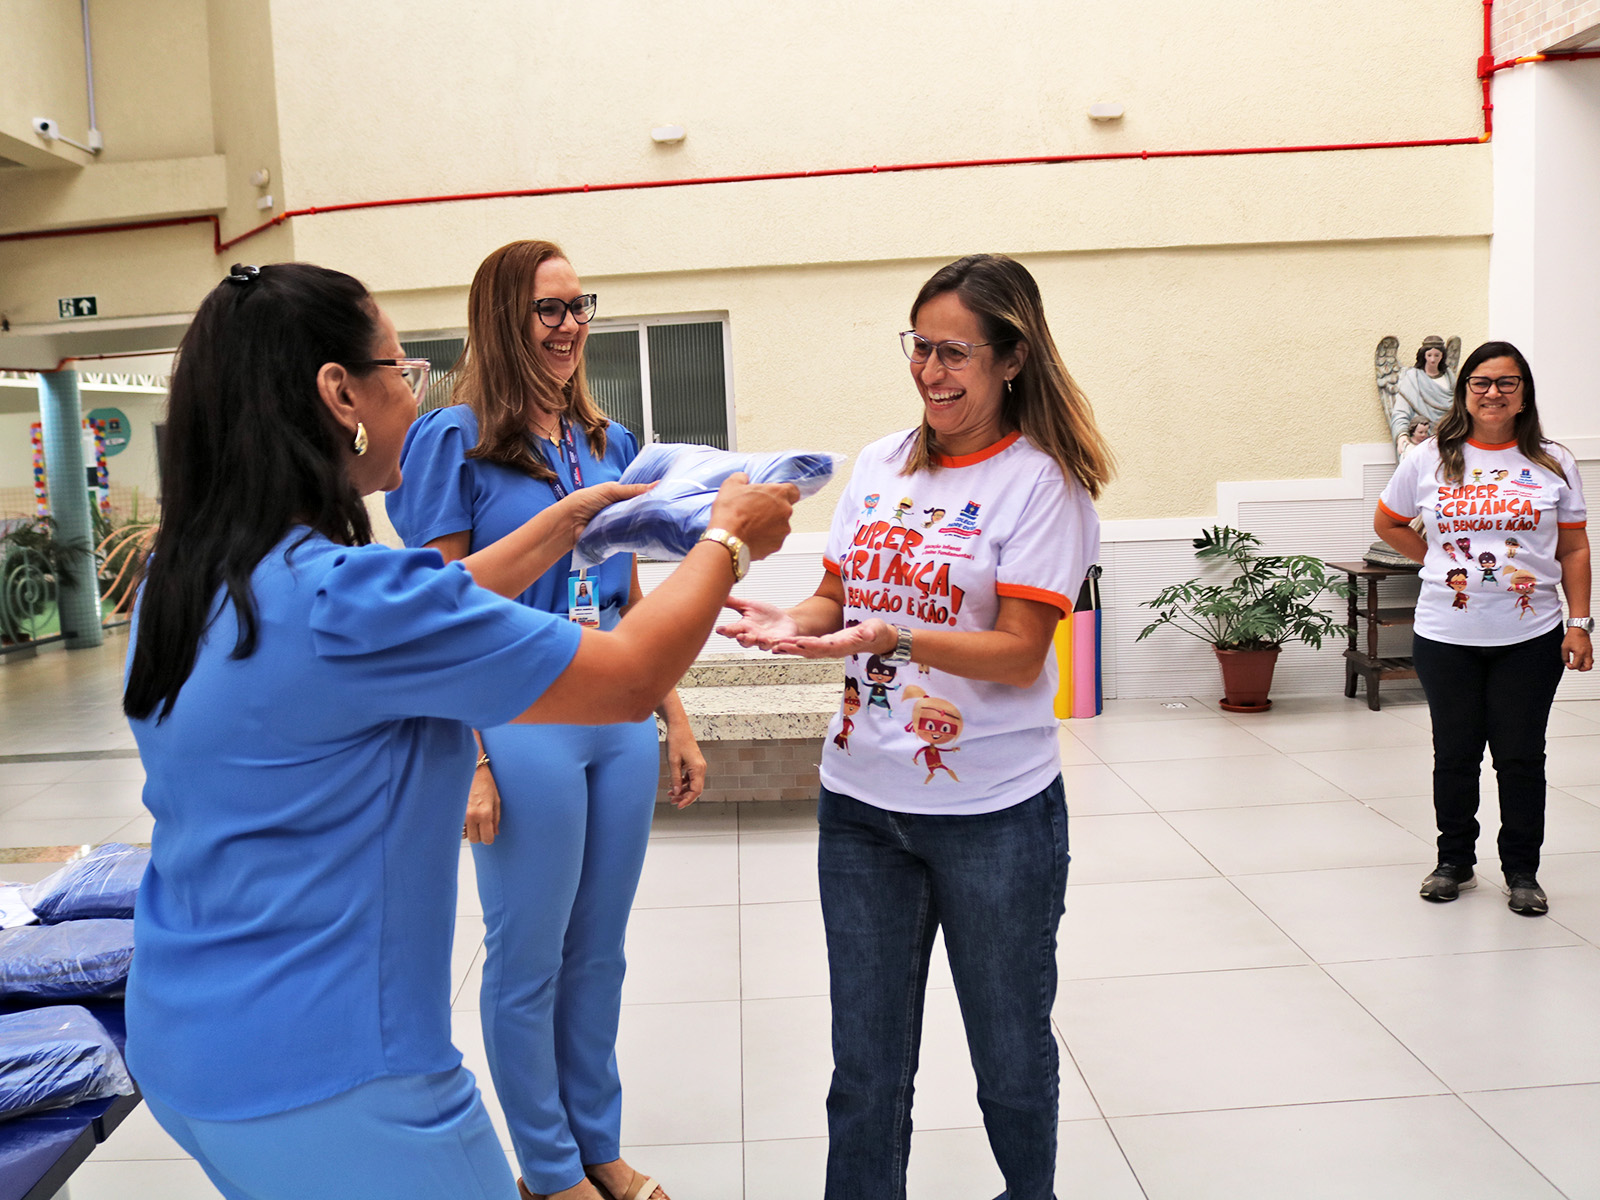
[953, 354]
[1507, 385]
[553, 312]
[413, 370]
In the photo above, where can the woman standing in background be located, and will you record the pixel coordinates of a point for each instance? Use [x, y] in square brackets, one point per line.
[1489, 653]
[559, 815]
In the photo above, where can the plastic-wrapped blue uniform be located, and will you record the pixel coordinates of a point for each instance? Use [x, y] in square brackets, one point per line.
[289, 1005]
[576, 801]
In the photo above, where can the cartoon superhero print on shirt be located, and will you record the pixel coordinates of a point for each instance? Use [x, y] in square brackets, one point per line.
[900, 510]
[934, 515]
[1477, 474]
[871, 503]
[1456, 579]
[936, 723]
[1512, 546]
[1450, 549]
[851, 706]
[1498, 474]
[1466, 547]
[880, 682]
[1523, 583]
[1486, 564]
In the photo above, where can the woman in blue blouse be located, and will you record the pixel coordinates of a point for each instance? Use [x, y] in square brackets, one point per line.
[557, 874]
[303, 704]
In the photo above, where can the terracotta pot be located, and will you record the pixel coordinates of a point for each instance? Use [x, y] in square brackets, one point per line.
[1246, 678]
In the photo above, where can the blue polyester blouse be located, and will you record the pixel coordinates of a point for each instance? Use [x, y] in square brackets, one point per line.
[294, 926]
[443, 491]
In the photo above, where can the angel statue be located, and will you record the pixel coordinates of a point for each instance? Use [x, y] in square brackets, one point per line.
[1417, 398]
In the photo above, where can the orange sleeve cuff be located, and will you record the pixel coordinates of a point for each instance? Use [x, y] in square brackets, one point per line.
[831, 567]
[1384, 508]
[1020, 591]
[1572, 524]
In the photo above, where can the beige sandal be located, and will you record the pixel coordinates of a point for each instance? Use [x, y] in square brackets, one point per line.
[641, 1188]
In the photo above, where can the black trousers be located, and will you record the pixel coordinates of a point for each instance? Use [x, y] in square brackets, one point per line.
[1499, 695]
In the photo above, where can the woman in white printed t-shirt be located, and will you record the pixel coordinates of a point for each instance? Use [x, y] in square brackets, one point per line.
[1504, 513]
[955, 549]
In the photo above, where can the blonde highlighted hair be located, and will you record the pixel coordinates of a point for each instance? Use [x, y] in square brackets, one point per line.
[502, 379]
[1043, 402]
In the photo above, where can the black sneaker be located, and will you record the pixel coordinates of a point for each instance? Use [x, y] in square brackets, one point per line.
[1447, 882]
[1527, 897]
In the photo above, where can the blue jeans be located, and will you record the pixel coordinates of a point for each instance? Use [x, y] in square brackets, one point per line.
[1499, 695]
[996, 883]
[401, 1137]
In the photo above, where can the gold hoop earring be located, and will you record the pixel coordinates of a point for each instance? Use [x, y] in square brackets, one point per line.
[360, 445]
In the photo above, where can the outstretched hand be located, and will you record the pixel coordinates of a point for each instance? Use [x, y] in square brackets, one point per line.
[760, 625]
[872, 636]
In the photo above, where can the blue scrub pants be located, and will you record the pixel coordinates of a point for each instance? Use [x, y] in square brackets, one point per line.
[402, 1137]
[557, 886]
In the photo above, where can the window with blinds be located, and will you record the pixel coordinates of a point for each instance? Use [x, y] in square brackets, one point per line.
[666, 380]
[442, 355]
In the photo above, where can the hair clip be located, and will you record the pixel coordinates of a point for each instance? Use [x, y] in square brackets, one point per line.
[243, 274]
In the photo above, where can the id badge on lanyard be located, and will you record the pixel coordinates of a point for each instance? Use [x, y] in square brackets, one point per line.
[583, 598]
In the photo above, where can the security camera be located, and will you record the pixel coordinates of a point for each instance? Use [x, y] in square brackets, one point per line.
[46, 128]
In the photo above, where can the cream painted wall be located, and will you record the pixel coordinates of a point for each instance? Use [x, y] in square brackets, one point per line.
[135, 467]
[41, 75]
[1221, 312]
[517, 94]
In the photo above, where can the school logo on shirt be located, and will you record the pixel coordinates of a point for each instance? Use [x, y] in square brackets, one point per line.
[965, 525]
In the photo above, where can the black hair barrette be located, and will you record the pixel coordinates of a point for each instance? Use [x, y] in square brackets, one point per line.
[243, 274]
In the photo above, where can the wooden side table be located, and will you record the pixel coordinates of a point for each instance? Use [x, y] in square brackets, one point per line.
[1367, 664]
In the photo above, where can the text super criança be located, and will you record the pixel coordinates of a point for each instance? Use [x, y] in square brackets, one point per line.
[1479, 506]
[885, 554]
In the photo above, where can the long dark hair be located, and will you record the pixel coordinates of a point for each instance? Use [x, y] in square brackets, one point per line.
[1044, 402]
[250, 450]
[1456, 426]
[502, 377]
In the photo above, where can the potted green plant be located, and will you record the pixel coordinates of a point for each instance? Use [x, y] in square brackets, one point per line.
[1264, 601]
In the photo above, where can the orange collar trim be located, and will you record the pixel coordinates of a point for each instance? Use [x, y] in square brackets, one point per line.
[977, 456]
[1511, 445]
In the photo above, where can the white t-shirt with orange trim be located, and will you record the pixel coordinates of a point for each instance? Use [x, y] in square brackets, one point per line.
[937, 550]
[1490, 575]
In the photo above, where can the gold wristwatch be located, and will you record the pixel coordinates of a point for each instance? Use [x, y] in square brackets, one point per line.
[737, 550]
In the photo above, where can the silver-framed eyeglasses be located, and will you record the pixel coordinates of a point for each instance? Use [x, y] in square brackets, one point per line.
[953, 354]
[552, 312]
[1506, 385]
[413, 370]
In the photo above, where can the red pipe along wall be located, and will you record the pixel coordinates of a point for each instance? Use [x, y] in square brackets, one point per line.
[1486, 69]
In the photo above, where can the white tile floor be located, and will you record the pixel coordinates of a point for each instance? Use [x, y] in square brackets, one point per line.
[1254, 1002]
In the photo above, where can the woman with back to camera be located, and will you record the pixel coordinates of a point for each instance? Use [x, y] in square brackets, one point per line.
[557, 875]
[942, 806]
[303, 703]
[1489, 652]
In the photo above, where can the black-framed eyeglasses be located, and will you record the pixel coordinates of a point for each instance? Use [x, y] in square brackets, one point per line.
[1506, 385]
[553, 312]
[413, 370]
[953, 354]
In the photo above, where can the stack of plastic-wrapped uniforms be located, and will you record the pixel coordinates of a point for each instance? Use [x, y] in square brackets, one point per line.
[668, 520]
[68, 943]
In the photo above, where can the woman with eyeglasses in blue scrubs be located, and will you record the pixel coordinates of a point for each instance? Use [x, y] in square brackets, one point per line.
[559, 814]
[303, 702]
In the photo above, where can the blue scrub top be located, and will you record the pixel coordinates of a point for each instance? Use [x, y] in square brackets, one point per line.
[443, 491]
[294, 927]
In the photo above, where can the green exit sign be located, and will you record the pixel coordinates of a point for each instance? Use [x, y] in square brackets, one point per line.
[77, 307]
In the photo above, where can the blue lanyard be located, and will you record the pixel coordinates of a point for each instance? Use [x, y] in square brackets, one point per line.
[570, 447]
